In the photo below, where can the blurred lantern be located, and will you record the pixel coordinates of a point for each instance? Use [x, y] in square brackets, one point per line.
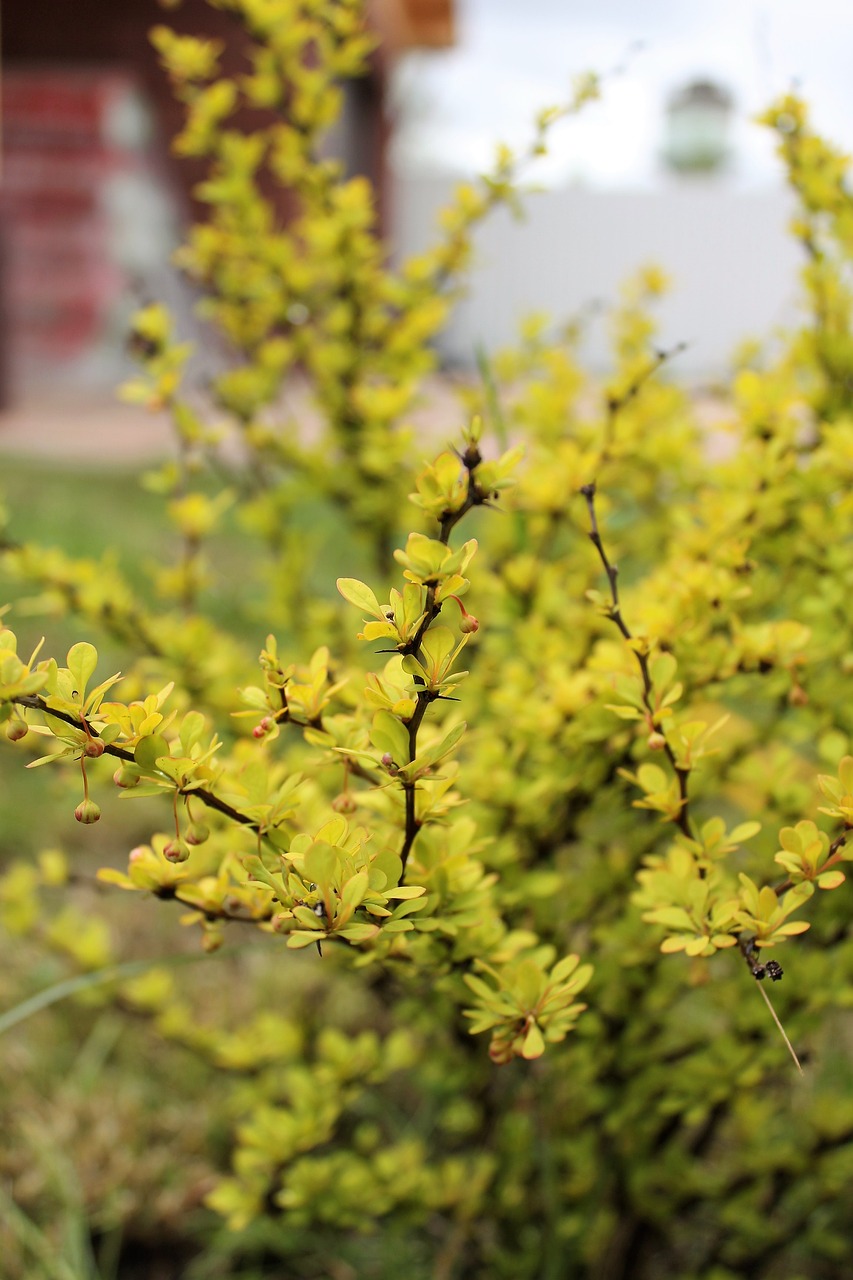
[697, 127]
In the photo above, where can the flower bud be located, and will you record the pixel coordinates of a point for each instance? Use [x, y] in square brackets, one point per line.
[262, 728]
[16, 729]
[87, 812]
[197, 833]
[176, 850]
[656, 741]
[212, 936]
[126, 776]
[468, 623]
[798, 696]
[345, 803]
[93, 748]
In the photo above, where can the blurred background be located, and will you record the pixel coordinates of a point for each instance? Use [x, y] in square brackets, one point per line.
[668, 167]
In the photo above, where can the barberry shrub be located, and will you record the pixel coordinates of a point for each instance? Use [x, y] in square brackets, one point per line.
[526, 913]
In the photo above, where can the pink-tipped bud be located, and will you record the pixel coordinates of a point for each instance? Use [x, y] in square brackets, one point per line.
[126, 776]
[389, 765]
[262, 728]
[176, 851]
[93, 748]
[87, 812]
[656, 741]
[345, 803]
[16, 729]
[468, 624]
[197, 833]
[139, 854]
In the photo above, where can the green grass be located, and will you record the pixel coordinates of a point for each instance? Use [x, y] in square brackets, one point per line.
[87, 512]
[90, 512]
[84, 512]
[82, 509]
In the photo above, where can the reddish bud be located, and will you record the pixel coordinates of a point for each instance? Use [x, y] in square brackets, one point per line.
[87, 812]
[468, 623]
[344, 803]
[126, 776]
[197, 833]
[798, 696]
[16, 729]
[262, 728]
[93, 748]
[176, 851]
[656, 741]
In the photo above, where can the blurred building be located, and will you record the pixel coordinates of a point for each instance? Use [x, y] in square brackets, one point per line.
[697, 127]
[92, 202]
[732, 265]
[724, 245]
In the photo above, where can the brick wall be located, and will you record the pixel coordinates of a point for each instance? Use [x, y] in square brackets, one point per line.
[70, 136]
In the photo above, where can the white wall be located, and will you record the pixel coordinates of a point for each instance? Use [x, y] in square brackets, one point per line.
[732, 263]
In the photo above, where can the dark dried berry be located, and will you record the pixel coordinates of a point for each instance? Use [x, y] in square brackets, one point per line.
[774, 970]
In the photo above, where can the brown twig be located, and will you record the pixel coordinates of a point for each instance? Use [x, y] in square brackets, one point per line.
[615, 614]
[448, 520]
[616, 403]
[36, 703]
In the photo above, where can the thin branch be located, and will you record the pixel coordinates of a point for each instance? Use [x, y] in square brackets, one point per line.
[36, 703]
[475, 496]
[760, 971]
[782, 1031]
[615, 404]
[412, 824]
[615, 613]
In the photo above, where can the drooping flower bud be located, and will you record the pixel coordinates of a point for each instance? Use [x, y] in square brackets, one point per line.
[16, 729]
[176, 850]
[87, 812]
[467, 623]
[345, 803]
[127, 776]
[797, 696]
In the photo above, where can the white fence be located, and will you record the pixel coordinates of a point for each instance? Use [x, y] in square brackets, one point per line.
[732, 263]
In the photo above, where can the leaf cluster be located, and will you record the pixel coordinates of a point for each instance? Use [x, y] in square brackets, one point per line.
[618, 798]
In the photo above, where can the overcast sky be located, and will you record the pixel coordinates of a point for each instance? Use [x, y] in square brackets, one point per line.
[513, 57]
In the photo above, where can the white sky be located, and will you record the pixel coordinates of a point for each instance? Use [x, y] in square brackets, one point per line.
[513, 57]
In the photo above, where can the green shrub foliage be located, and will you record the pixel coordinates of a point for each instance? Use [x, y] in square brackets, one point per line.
[530, 908]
